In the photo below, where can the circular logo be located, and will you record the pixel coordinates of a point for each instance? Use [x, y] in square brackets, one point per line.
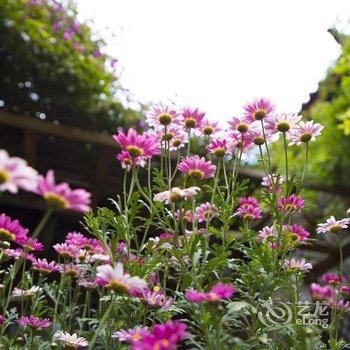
[276, 313]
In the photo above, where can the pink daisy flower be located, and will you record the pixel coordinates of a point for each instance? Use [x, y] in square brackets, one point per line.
[340, 305]
[15, 174]
[44, 267]
[127, 161]
[259, 109]
[290, 204]
[71, 341]
[176, 194]
[143, 145]
[218, 292]
[197, 167]
[11, 230]
[270, 181]
[206, 211]
[298, 232]
[192, 117]
[66, 251]
[241, 125]
[131, 335]
[72, 270]
[249, 201]
[266, 234]
[2, 319]
[187, 215]
[209, 128]
[116, 279]
[249, 213]
[156, 299]
[345, 290]
[305, 132]
[61, 196]
[282, 122]
[240, 141]
[163, 116]
[174, 135]
[163, 337]
[294, 264]
[82, 242]
[218, 147]
[333, 279]
[333, 226]
[30, 244]
[321, 293]
[19, 253]
[25, 293]
[34, 322]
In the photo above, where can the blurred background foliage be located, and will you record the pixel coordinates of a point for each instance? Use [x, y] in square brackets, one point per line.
[329, 162]
[53, 67]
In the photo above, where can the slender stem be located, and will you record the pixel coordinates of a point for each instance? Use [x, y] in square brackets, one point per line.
[286, 160]
[306, 160]
[42, 222]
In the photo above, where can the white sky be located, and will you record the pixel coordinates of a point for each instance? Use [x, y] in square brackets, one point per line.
[219, 54]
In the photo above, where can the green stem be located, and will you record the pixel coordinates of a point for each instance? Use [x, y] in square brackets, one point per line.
[306, 159]
[42, 222]
[286, 160]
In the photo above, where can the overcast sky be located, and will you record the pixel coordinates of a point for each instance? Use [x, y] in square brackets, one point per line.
[219, 54]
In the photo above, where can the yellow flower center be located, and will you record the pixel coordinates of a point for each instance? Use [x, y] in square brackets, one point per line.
[118, 286]
[259, 141]
[168, 136]
[208, 130]
[156, 288]
[306, 137]
[6, 235]
[242, 128]
[56, 201]
[213, 296]
[135, 151]
[335, 229]
[283, 127]
[165, 119]
[4, 176]
[220, 152]
[259, 114]
[196, 174]
[136, 337]
[190, 123]
[160, 344]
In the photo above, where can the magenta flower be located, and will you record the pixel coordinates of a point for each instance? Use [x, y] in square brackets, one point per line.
[44, 267]
[340, 305]
[143, 145]
[333, 226]
[197, 167]
[290, 204]
[11, 230]
[321, 293]
[298, 232]
[240, 141]
[305, 132]
[156, 299]
[282, 123]
[249, 212]
[187, 215]
[30, 244]
[333, 279]
[192, 117]
[209, 128]
[176, 194]
[163, 116]
[71, 341]
[266, 234]
[174, 136]
[218, 147]
[72, 270]
[294, 264]
[206, 211]
[19, 253]
[66, 251]
[116, 279]
[249, 201]
[61, 196]
[131, 335]
[258, 110]
[218, 292]
[34, 322]
[15, 174]
[2, 320]
[82, 242]
[163, 337]
[269, 182]
[242, 126]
